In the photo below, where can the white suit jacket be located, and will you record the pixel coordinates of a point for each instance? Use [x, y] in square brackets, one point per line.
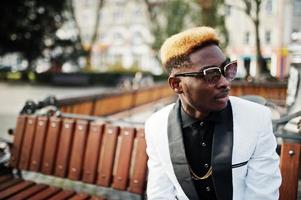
[253, 162]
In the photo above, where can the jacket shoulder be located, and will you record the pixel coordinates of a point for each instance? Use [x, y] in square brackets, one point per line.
[246, 110]
[160, 115]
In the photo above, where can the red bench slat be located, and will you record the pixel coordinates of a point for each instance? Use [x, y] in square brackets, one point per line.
[122, 158]
[92, 152]
[51, 145]
[138, 171]
[107, 154]
[28, 192]
[80, 196]
[15, 189]
[64, 148]
[65, 194]
[5, 178]
[18, 139]
[27, 142]
[97, 198]
[38, 144]
[10, 183]
[78, 149]
[289, 166]
[45, 194]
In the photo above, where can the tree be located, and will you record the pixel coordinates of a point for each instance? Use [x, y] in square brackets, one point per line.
[252, 10]
[211, 16]
[87, 49]
[167, 18]
[170, 17]
[28, 27]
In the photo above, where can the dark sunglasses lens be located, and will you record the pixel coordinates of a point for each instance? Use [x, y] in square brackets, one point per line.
[212, 75]
[230, 71]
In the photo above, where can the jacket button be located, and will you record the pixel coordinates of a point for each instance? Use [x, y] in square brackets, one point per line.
[208, 189]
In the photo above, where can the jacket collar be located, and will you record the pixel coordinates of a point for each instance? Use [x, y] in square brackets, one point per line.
[221, 153]
[177, 152]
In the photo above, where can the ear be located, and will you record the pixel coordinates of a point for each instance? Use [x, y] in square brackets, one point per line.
[175, 84]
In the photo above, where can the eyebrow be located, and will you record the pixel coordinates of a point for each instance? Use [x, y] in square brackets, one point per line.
[202, 68]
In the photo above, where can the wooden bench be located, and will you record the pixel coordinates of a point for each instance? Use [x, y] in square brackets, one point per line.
[97, 153]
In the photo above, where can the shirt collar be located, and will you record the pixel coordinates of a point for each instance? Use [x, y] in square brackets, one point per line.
[187, 120]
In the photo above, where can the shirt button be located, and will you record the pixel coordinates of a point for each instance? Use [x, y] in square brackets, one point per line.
[206, 165]
[208, 189]
[201, 123]
[203, 144]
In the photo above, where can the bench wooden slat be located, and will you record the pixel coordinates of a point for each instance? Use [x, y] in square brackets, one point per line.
[92, 152]
[5, 178]
[29, 192]
[78, 149]
[51, 145]
[64, 148]
[45, 194]
[107, 154]
[289, 166]
[80, 196]
[138, 171]
[65, 194]
[123, 157]
[27, 142]
[9, 183]
[97, 198]
[38, 144]
[18, 139]
[15, 189]
[85, 108]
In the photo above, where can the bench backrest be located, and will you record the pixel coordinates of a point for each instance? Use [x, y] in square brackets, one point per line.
[105, 154]
[92, 152]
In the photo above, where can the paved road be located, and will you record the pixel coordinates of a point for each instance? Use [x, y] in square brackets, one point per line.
[14, 95]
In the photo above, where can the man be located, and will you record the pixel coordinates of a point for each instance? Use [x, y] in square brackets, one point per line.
[208, 145]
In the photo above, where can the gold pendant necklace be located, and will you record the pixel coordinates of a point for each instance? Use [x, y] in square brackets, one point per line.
[196, 177]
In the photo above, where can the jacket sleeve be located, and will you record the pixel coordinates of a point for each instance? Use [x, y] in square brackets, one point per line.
[263, 177]
[159, 185]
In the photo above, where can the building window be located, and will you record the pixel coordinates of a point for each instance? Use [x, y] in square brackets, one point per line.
[137, 13]
[88, 3]
[117, 15]
[297, 7]
[267, 37]
[227, 10]
[269, 7]
[247, 37]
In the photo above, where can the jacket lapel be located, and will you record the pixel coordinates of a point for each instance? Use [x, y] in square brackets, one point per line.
[221, 159]
[177, 152]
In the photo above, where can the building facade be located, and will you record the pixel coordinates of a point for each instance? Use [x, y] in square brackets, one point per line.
[278, 20]
[124, 37]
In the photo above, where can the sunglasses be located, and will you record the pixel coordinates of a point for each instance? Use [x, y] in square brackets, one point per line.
[212, 74]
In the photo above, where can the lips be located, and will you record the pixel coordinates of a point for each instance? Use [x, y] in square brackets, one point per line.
[222, 94]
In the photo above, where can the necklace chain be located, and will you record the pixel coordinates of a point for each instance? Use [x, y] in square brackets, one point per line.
[196, 177]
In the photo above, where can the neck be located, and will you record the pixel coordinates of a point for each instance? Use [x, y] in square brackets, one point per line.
[194, 112]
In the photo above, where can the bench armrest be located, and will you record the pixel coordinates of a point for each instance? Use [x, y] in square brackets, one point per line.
[4, 150]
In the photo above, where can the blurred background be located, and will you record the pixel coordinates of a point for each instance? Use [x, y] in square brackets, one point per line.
[74, 48]
[99, 59]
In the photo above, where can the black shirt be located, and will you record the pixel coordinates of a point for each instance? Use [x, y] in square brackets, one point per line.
[197, 136]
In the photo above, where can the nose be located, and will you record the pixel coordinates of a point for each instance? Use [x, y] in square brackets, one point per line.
[223, 83]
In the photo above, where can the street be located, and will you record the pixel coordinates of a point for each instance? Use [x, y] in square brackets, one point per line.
[14, 95]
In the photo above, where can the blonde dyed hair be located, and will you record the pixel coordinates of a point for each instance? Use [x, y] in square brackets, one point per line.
[176, 49]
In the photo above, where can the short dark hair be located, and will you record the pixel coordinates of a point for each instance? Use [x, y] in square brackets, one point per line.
[183, 61]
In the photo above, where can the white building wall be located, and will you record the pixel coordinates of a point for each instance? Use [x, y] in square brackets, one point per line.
[278, 18]
[124, 35]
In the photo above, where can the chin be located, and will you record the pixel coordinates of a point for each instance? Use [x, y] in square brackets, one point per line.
[220, 105]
